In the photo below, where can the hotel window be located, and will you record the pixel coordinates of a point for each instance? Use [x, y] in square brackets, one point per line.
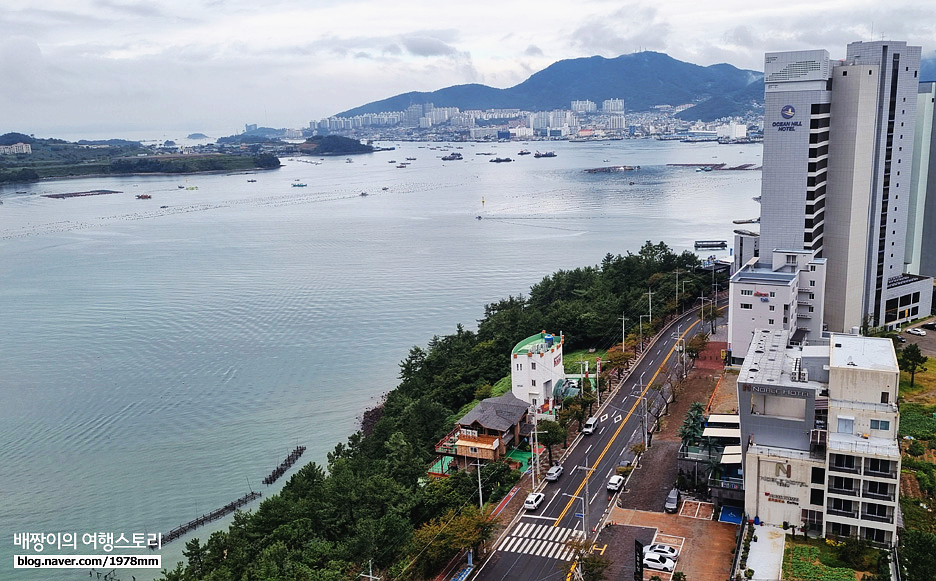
[816, 496]
[772, 294]
[533, 365]
[472, 449]
[846, 425]
[770, 321]
[885, 397]
[812, 283]
[880, 424]
[879, 466]
[817, 475]
[746, 306]
[746, 292]
[772, 308]
[519, 366]
[812, 268]
[791, 259]
[878, 488]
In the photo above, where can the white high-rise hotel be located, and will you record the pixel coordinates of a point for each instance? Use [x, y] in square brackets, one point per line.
[838, 147]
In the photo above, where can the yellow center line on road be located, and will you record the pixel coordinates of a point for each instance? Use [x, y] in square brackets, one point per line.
[621, 426]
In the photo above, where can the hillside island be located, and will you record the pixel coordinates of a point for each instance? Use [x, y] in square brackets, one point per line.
[25, 158]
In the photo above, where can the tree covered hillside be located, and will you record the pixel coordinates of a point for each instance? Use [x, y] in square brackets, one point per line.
[372, 501]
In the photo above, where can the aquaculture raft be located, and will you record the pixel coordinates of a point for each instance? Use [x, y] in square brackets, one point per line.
[284, 466]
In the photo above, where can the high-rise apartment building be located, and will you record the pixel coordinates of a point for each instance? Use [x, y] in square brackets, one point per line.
[921, 227]
[838, 150]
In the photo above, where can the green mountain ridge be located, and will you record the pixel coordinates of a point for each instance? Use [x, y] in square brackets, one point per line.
[643, 80]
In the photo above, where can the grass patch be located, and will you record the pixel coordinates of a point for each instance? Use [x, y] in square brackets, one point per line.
[915, 516]
[803, 561]
[917, 420]
[571, 361]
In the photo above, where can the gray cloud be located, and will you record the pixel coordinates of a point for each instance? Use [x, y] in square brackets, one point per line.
[533, 50]
[427, 46]
[630, 28]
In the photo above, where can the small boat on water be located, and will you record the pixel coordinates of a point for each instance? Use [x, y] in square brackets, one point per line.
[192, 188]
[410, 159]
[545, 154]
[524, 152]
[500, 159]
[299, 185]
[143, 196]
[251, 181]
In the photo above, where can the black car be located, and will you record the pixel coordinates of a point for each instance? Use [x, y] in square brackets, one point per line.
[930, 326]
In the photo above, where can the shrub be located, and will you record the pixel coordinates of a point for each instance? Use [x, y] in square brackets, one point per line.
[749, 573]
[916, 448]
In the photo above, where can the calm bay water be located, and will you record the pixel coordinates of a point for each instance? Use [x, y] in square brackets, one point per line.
[157, 362]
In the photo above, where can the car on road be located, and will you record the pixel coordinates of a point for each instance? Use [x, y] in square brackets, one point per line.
[658, 549]
[900, 339]
[533, 500]
[916, 331]
[672, 501]
[590, 425]
[554, 473]
[930, 326]
[615, 483]
[658, 562]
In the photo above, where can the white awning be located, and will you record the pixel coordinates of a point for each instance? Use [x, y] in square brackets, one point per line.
[724, 419]
[722, 433]
[731, 459]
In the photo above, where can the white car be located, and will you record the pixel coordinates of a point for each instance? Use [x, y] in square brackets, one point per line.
[916, 331]
[533, 500]
[658, 562]
[658, 549]
[554, 473]
[615, 483]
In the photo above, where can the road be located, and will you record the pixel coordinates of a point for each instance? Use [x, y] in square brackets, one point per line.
[535, 544]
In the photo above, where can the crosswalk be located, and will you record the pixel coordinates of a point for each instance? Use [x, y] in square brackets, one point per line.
[540, 540]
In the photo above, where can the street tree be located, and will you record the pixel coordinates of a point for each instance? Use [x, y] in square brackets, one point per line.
[911, 360]
[549, 434]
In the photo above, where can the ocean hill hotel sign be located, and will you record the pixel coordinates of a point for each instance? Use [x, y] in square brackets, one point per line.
[787, 112]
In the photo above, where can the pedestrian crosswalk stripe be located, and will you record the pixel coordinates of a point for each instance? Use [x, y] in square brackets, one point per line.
[540, 540]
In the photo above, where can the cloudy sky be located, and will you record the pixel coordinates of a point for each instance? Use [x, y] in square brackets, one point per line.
[101, 66]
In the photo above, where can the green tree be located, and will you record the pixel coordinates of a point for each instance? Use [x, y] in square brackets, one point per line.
[911, 360]
[550, 434]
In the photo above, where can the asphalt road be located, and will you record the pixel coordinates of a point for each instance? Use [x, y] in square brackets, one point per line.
[535, 545]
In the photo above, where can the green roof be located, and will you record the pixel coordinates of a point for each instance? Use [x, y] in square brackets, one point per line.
[525, 346]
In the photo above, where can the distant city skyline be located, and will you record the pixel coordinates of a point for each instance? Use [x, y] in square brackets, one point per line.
[97, 66]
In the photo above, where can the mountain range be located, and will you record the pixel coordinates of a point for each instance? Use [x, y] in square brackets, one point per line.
[643, 80]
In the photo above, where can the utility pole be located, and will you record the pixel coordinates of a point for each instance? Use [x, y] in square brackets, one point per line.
[480, 495]
[588, 472]
[535, 453]
[650, 300]
[370, 567]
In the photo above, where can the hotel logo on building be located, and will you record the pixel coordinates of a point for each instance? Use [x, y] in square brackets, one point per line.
[787, 112]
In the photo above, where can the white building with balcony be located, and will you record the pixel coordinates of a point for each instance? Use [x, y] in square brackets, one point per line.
[819, 435]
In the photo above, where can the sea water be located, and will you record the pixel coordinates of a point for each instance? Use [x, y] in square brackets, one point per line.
[159, 357]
